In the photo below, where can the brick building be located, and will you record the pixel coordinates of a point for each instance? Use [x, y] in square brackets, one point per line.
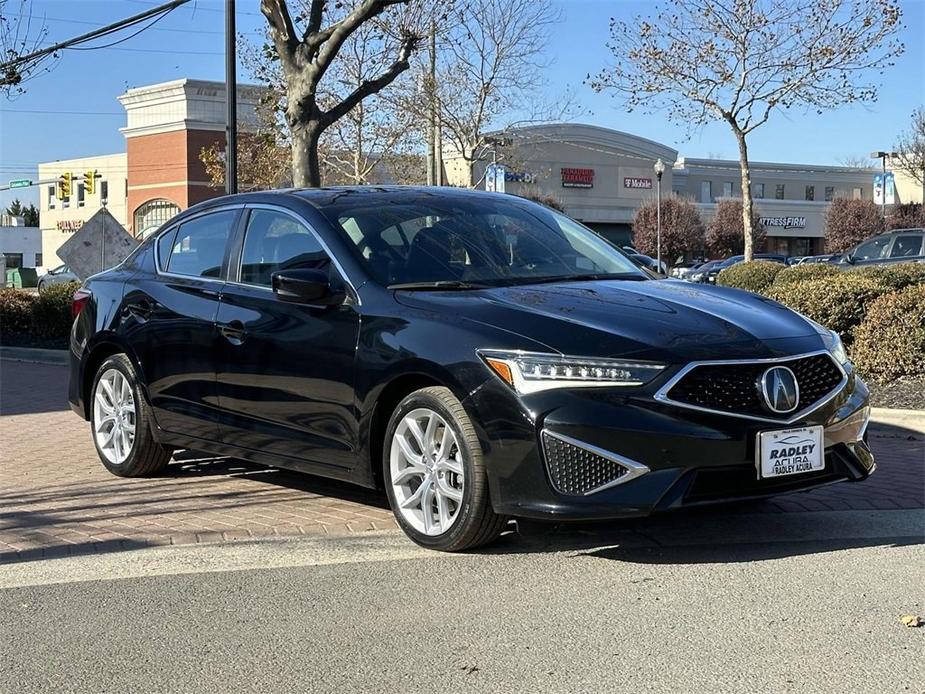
[159, 174]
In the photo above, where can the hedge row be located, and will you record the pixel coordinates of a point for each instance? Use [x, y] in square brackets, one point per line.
[879, 310]
[38, 319]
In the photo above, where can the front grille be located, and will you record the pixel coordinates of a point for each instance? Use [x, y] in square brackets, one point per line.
[735, 387]
[575, 470]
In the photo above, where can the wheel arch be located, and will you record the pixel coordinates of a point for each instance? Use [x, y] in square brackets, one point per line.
[101, 350]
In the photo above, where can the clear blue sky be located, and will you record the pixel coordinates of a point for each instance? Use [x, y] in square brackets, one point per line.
[73, 111]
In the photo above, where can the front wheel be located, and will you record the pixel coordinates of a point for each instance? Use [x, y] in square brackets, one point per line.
[121, 422]
[435, 476]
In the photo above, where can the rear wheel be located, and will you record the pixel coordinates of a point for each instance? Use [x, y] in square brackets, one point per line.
[121, 422]
[435, 476]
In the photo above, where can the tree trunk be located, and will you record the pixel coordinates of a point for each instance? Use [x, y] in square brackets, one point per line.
[746, 195]
[306, 167]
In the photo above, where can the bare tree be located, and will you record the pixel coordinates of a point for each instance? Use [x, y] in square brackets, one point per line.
[306, 56]
[21, 34]
[855, 161]
[909, 152]
[737, 61]
[490, 60]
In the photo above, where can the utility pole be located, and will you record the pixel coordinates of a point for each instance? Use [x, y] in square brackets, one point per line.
[231, 102]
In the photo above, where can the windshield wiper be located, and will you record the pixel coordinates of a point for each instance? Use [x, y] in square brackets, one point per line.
[442, 285]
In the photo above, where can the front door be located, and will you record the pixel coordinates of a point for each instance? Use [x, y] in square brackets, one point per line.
[170, 323]
[285, 370]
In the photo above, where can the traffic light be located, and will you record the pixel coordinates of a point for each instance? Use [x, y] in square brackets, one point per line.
[89, 182]
[64, 185]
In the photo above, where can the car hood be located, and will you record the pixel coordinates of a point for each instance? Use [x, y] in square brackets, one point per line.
[665, 320]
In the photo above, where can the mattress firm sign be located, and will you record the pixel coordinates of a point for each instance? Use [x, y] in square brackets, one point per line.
[784, 222]
[577, 178]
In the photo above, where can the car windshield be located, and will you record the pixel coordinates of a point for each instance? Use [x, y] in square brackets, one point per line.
[463, 242]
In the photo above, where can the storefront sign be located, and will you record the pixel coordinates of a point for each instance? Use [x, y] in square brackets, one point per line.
[577, 178]
[519, 177]
[784, 222]
[644, 183]
[69, 225]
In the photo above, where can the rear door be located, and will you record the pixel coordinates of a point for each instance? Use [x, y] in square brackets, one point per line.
[170, 322]
[285, 370]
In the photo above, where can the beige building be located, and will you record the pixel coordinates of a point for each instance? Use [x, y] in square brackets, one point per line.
[601, 176]
[61, 218]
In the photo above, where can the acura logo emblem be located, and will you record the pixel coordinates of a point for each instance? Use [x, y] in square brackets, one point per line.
[780, 389]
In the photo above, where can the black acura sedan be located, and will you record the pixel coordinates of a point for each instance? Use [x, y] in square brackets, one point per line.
[479, 356]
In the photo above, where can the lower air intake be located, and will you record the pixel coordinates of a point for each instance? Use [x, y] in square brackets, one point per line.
[577, 471]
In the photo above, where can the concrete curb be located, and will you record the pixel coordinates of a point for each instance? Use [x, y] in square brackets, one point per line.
[35, 356]
[907, 419]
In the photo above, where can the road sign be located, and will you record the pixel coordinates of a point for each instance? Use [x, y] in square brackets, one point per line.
[21, 183]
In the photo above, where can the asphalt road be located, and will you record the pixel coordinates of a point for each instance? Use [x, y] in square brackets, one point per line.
[714, 603]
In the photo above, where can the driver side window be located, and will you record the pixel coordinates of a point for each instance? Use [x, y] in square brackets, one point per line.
[873, 249]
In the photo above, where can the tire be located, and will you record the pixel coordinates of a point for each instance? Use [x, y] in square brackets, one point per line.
[124, 409]
[460, 502]
[40, 287]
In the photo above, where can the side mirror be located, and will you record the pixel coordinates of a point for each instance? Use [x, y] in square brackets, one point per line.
[306, 286]
[848, 258]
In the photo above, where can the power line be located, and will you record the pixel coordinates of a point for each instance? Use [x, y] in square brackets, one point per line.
[38, 55]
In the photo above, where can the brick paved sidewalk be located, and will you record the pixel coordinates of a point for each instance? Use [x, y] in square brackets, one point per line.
[57, 499]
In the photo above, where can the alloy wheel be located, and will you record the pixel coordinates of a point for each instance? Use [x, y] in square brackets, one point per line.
[427, 473]
[114, 416]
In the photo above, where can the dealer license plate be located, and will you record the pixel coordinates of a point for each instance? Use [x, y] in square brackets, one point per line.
[790, 452]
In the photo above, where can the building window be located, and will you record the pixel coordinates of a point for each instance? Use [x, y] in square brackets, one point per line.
[779, 192]
[51, 197]
[104, 191]
[706, 191]
[38, 260]
[857, 193]
[810, 192]
[152, 215]
[80, 194]
[758, 190]
[13, 260]
[727, 189]
[829, 193]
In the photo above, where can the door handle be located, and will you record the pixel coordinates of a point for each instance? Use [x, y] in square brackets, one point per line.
[234, 332]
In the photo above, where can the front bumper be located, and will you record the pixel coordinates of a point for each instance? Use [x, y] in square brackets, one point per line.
[691, 458]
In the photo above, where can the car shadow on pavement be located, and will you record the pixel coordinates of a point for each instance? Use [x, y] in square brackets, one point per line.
[192, 464]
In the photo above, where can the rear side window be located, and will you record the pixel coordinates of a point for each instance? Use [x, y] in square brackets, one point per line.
[164, 244]
[907, 246]
[275, 241]
[199, 245]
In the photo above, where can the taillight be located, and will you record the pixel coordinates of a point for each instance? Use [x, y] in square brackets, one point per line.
[79, 301]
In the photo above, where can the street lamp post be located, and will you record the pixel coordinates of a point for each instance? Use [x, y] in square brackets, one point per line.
[659, 170]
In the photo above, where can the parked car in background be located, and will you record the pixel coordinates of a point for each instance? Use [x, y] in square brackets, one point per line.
[810, 259]
[682, 270]
[709, 276]
[697, 274]
[59, 275]
[479, 357]
[896, 246]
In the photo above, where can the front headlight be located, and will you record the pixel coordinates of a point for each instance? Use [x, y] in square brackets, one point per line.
[837, 347]
[530, 372]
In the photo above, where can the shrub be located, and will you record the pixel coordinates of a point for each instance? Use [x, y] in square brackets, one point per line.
[848, 222]
[807, 271]
[896, 276]
[51, 312]
[890, 342]
[838, 302]
[726, 230]
[755, 276]
[15, 312]
[910, 215]
[682, 228]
